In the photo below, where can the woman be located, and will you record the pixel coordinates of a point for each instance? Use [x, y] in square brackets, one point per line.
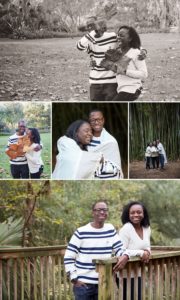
[131, 71]
[148, 155]
[33, 157]
[135, 235]
[73, 160]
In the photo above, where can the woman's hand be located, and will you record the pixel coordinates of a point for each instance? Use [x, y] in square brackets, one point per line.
[146, 256]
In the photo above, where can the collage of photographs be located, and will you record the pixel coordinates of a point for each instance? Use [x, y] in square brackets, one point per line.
[89, 150]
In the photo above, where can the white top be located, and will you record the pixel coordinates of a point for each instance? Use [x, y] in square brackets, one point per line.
[162, 151]
[88, 243]
[34, 159]
[148, 152]
[134, 245]
[135, 73]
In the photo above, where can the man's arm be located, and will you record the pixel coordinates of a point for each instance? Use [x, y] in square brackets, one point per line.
[71, 255]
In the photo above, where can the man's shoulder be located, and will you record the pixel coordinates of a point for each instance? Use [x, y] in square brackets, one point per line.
[13, 136]
[107, 136]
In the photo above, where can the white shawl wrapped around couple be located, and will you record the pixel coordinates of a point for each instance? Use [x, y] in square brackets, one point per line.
[75, 161]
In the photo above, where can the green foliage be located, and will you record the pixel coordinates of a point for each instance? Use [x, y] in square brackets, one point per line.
[151, 121]
[68, 206]
[11, 232]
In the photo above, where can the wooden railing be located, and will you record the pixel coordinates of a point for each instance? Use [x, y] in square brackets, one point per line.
[157, 280]
[38, 273]
[34, 274]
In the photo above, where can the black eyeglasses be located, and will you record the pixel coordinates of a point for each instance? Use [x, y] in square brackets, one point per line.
[100, 209]
[98, 120]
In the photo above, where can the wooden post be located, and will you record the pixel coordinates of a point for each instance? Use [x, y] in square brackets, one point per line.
[104, 268]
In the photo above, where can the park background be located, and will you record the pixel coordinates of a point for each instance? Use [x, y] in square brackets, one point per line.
[149, 122]
[116, 123]
[36, 115]
[33, 68]
[48, 212]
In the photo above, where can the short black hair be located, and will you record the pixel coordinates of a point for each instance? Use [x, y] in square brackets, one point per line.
[125, 214]
[35, 135]
[98, 201]
[71, 131]
[96, 110]
[135, 39]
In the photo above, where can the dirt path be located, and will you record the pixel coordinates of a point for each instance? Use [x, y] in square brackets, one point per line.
[137, 170]
[53, 69]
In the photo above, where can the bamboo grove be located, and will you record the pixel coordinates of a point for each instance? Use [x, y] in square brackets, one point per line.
[151, 121]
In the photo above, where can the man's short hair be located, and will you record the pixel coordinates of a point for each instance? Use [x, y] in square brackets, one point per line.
[99, 201]
[96, 110]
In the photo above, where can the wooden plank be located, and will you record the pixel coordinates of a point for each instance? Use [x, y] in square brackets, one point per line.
[59, 279]
[22, 277]
[1, 280]
[128, 285]
[47, 278]
[150, 281]
[53, 277]
[41, 277]
[29, 279]
[35, 278]
[8, 279]
[15, 280]
[105, 291]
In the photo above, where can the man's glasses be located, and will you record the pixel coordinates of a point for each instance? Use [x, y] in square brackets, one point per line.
[93, 121]
[100, 209]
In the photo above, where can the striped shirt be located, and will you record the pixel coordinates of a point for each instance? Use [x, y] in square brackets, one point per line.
[96, 48]
[86, 244]
[20, 160]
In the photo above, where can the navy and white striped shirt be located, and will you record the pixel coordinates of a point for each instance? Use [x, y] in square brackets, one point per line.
[96, 48]
[86, 244]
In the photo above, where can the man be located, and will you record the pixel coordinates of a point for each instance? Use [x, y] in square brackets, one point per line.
[102, 137]
[162, 154]
[103, 83]
[18, 162]
[96, 240]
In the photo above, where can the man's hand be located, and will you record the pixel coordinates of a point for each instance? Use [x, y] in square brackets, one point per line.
[143, 54]
[122, 65]
[122, 260]
[37, 148]
[108, 65]
[78, 283]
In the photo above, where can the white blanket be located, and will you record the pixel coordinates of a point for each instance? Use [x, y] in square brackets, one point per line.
[73, 163]
[110, 149]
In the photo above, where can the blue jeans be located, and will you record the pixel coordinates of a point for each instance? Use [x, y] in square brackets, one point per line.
[161, 160]
[86, 292]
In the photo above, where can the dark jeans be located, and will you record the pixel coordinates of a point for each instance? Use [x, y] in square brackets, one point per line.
[148, 162]
[38, 174]
[132, 289]
[103, 92]
[86, 292]
[155, 162]
[161, 160]
[20, 171]
[123, 96]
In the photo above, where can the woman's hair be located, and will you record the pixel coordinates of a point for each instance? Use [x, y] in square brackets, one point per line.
[125, 214]
[134, 36]
[35, 135]
[71, 132]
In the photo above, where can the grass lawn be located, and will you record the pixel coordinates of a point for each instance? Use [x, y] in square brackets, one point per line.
[46, 157]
